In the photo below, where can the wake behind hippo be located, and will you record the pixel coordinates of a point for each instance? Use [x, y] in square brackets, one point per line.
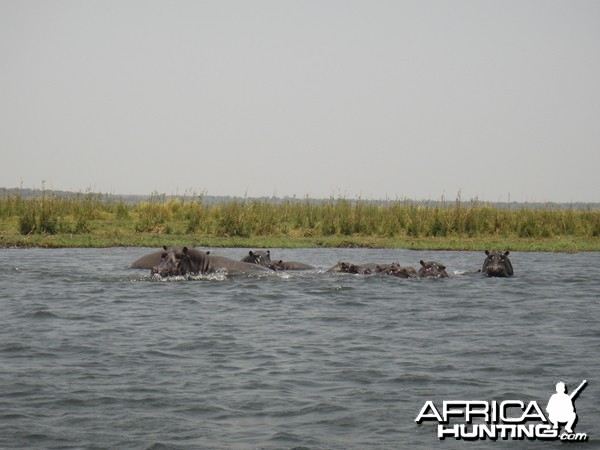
[192, 261]
[497, 264]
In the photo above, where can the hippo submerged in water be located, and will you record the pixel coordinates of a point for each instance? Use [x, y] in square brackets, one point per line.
[429, 270]
[497, 264]
[260, 257]
[346, 267]
[184, 261]
[151, 260]
[263, 258]
[432, 269]
[396, 270]
[290, 265]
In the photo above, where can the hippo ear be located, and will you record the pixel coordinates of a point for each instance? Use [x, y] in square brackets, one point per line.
[506, 253]
[208, 252]
[422, 262]
[487, 252]
[185, 250]
[165, 248]
[269, 253]
[250, 253]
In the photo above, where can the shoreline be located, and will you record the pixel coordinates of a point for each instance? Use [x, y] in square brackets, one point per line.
[564, 244]
[89, 221]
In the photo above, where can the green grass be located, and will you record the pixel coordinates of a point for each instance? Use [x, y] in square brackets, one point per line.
[91, 220]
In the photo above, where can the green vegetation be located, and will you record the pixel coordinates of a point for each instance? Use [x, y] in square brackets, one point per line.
[92, 220]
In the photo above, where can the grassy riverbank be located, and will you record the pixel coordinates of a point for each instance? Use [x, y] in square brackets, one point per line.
[91, 220]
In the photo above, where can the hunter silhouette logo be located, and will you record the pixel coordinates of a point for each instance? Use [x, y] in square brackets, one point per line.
[560, 406]
[509, 419]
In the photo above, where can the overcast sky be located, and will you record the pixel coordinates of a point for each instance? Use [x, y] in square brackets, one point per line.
[373, 99]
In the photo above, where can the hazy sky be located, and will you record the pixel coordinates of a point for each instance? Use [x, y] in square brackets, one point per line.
[377, 99]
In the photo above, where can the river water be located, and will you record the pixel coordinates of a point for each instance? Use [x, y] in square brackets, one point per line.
[96, 355]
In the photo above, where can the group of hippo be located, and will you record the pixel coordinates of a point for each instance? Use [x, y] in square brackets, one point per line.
[183, 260]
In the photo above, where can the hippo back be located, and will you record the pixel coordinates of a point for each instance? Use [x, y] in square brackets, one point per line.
[151, 260]
[184, 261]
[221, 263]
[290, 265]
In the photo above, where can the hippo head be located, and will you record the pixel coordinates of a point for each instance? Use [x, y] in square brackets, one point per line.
[397, 270]
[497, 264]
[432, 269]
[386, 268]
[259, 257]
[173, 262]
[354, 268]
[340, 267]
[346, 267]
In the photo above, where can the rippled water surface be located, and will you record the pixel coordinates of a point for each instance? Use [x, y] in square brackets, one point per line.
[96, 355]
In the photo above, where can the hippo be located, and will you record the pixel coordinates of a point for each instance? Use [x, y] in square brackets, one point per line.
[396, 270]
[497, 264]
[184, 261]
[346, 267]
[259, 257]
[290, 265]
[432, 269]
[149, 261]
[383, 268]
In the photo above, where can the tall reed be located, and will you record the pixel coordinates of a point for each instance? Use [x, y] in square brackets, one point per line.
[334, 217]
